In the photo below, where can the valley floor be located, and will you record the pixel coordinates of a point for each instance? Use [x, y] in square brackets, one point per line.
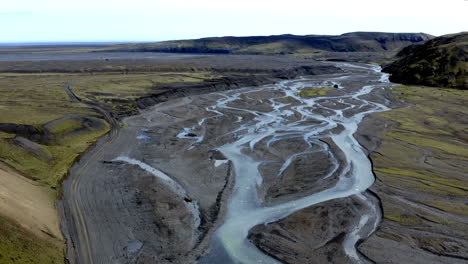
[121, 207]
[118, 207]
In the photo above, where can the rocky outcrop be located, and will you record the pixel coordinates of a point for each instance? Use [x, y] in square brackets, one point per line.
[35, 133]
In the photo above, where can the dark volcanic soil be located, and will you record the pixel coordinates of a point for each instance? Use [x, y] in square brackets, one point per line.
[413, 230]
[123, 211]
[146, 62]
[313, 235]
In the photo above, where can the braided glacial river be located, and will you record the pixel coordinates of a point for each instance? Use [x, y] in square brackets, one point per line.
[273, 115]
[335, 117]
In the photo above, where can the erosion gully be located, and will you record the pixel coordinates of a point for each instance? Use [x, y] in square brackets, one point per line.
[333, 117]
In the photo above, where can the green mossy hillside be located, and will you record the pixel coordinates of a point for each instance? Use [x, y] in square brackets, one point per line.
[18, 246]
[47, 162]
[440, 62]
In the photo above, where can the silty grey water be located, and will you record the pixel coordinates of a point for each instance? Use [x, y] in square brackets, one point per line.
[230, 243]
[338, 123]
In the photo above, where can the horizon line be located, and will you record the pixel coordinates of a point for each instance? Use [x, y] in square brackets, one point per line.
[71, 42]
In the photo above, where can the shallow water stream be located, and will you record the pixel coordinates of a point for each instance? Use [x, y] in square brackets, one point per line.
[338, 120]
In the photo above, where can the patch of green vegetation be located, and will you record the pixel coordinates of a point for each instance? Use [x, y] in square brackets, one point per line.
[418, 185]
[286, 100]
[38, 113]
[268, 49]
[131, 86]
[414, 174]
[403, 219]
[20, 246]
[438, 220]
[399, 216]
[314, 91]
[69, 149]
[23, 160]
[390, 236]
[419, 140]
[64, 154]
[442, 189]
[4, 135]
[44, 95]
[35, 99]
[449, 207]
[276, 48]
[64, 126]
[434, 113]
[117, 92]
[421, 155]
[423, 92]
[396, 154]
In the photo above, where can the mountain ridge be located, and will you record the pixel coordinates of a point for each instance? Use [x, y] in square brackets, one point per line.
[282, 44]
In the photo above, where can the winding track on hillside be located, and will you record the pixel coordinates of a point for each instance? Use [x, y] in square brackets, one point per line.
[75, 208]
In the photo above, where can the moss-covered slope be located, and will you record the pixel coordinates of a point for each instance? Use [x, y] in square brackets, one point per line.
[18, 245]
[440, 62]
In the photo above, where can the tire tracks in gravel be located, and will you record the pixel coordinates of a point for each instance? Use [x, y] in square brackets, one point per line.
[75, 201]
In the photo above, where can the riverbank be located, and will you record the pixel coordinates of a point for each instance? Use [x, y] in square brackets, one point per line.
[420, 159]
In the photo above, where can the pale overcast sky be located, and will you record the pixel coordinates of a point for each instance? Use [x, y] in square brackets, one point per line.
[154, 20]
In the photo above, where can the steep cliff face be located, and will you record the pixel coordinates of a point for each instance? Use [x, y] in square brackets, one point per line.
[284, 44]
[440, 62]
